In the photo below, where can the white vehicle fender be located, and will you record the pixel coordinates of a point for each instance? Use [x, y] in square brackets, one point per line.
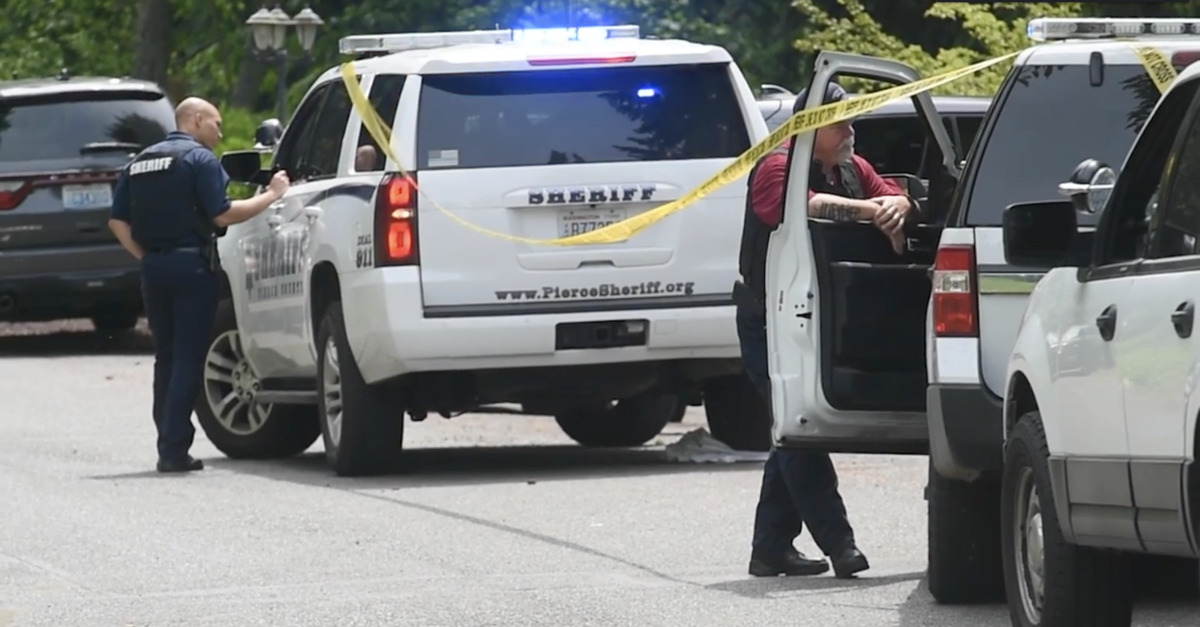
[322, 252]
[1030, 359]
[1192, 394]
[233, 269]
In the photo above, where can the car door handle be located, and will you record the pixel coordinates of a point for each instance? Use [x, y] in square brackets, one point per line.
[1107, 322]
[1182, 319]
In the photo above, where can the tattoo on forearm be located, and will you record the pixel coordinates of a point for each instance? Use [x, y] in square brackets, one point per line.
[837, 212]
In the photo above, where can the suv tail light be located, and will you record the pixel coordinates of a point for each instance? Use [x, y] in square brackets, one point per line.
[13, 193]
[396, 221]
[955, 306]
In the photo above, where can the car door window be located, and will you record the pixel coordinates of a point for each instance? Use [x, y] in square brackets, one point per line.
[968, 128]
[1125, 224]
[321, 158]
[1045, 120]
[892, 144]
[294, 143]
[385, 99]
[1175, 221]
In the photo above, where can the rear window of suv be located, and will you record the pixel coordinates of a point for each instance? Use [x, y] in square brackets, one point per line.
[68, 126]
[598, 115]
[1051, 119]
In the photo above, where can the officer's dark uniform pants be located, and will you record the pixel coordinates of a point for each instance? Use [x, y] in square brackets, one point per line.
[179, 290]
[798, 486]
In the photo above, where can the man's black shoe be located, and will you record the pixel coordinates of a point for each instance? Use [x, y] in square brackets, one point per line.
[849, 562]
[789, 564]
[187, 464]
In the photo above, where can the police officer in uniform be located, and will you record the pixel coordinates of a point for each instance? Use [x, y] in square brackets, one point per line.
[168, 206]
[798, 486]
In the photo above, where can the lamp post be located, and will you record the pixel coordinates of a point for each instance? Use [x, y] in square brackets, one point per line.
[269, 29]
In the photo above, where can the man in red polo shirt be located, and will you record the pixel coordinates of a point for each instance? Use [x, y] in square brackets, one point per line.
[831, 192]
[801, 487]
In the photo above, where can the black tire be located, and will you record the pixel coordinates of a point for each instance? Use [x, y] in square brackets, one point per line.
[630, 422]
[279, 431]
[964, 541]
[371, 433]
[737, 414]
[115, 321]
[1082, 585]
[680, 410]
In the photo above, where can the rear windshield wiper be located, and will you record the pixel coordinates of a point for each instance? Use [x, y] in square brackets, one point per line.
[95, 147]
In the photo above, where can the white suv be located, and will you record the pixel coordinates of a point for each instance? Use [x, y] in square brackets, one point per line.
[1100, 409]
[356, 300]
[874, 354]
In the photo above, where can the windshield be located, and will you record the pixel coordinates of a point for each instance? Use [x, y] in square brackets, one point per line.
[60, 128]
[594, 115]
[1052, 119]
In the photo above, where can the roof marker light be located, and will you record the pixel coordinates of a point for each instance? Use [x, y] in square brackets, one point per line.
[1054, 28]
[396, 42]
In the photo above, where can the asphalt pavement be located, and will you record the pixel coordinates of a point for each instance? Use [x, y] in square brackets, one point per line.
[495, 520]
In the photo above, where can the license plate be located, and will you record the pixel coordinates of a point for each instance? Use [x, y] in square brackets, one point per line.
[98, 196]
[579, 221]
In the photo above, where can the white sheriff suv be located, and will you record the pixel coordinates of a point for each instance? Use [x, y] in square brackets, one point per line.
[358, 299]
[871, 353]
[1100, 406]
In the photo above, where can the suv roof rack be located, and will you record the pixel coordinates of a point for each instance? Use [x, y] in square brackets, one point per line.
[1060, 28]
[397, 42]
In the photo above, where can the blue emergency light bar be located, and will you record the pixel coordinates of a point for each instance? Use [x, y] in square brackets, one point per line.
[1059, 28]
[396, 42]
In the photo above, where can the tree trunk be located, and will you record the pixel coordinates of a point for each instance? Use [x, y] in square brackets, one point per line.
[247, 90]
[152, 53]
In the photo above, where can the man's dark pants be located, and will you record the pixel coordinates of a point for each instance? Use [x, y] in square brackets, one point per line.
[179, 292]
[798, 486]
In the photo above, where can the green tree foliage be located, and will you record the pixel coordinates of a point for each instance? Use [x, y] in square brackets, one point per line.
[773, 41]
[41, 37]
[972, 32]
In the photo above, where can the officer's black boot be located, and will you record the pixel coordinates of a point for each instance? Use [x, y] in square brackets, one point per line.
[186, 464]
[791, 563]
[849, 562]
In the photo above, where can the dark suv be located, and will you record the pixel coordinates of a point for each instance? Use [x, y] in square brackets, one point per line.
[62, 143]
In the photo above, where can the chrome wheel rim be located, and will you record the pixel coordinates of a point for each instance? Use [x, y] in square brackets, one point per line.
[1030, 553]
[231, 387]
[331, 393]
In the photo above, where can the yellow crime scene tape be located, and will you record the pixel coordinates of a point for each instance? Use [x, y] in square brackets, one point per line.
[1158, 66]
[1161, 72]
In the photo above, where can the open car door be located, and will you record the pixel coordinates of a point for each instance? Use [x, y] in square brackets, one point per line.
[846, 315]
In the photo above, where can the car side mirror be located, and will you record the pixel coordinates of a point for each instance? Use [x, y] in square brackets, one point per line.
[245, 166]
[1040, 233]
[268, 133]
[1090, 186]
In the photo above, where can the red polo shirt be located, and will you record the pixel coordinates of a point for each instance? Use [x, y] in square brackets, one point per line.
[766, 190]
